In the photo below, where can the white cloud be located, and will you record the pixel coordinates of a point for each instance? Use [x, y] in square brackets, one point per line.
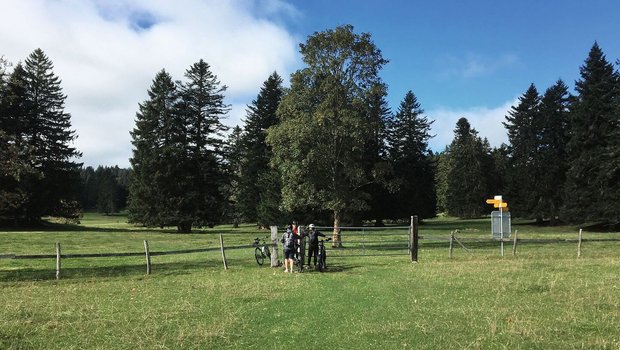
[107, 54]
[473, 65]
[487, 121]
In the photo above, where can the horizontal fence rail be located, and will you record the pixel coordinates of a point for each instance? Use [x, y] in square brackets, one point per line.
[59, 256]
[356, 241]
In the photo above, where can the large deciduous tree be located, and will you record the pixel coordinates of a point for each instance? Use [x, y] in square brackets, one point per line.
[324, 124]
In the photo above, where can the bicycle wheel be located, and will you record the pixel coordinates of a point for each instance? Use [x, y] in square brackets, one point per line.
[322, 260]
[259, 256]
[268, 252]
[300, 265]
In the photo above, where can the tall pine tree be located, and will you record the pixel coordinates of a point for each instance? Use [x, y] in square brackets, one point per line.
[523, 125]
[412, 160]
[147, 194]
[205, 179]
[467, 180]
[179, 172]
[552, 156]
[259, 189]
[593, 177]
[33, 113]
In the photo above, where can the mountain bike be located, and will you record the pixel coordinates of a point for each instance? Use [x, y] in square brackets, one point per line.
[261, 251]
[322, 263]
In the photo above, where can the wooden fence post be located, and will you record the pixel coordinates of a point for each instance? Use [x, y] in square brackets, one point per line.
[514, 243]
[274, 246]
[58, 255]
[451, 244]
[579, 244]
[414, 239]
[148, 257]
[222, 250]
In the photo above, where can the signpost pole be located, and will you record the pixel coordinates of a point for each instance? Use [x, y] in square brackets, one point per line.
[498, 202]
[501, 227]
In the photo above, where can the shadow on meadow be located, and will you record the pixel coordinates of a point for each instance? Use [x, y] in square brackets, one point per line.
[68, 273]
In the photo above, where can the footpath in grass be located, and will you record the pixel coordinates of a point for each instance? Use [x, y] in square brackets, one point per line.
[544, 298]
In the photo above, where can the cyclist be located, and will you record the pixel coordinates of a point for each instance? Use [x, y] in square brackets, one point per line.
[313, 243]
[288, 246]
[298, 238]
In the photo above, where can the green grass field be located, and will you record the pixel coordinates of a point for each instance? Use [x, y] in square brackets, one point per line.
[543, 298]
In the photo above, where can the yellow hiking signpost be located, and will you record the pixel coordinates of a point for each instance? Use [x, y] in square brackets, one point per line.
[500, 220]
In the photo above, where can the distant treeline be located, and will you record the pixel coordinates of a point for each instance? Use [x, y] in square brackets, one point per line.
[326, 149]
[105, 189]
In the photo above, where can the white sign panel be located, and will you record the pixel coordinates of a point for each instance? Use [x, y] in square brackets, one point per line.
[500, 224]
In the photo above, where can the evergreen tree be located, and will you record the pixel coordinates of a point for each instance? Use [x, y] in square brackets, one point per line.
[552, 156]
[33, 113]
[205, 173]
[15, 166]
[108, 192]
[523, 123]
[147, 198]
[442, 170]
[467, 183]
[88, 197]
[234, 154]
[412, 160]
[593, 177]
[179, 171]
[104, 189]
[255, 164]
[375, 159]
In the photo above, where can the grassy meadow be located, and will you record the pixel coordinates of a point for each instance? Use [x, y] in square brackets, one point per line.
[542, 298]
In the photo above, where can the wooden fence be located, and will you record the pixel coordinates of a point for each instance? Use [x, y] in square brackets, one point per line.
[147, 254]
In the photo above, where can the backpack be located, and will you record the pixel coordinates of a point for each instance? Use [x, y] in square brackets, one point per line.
[288, 240]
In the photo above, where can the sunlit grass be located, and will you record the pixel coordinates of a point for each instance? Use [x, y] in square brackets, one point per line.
[542, 298]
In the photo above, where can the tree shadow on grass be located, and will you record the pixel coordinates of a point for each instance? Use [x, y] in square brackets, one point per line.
[78, 273]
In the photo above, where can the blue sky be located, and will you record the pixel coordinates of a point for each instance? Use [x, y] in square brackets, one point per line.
[473, 57]
[461, 54]
[461, 58]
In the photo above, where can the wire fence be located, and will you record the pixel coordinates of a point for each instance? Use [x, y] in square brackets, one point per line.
[368, 241]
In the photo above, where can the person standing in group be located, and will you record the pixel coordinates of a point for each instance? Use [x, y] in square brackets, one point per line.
[313, 243]
[288, 246]
[298, 238]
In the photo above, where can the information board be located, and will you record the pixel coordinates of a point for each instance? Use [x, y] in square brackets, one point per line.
[500, 220]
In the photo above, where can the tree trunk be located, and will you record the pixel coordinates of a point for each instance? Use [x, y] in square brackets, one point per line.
[184, 227]
[336, 241]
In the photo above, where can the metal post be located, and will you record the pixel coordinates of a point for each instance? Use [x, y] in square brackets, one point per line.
[501, 226]
[579, 244]
[514, 244]
[148, 257]
[58, 256]
[451, 244]
[222, 250]
[414, 238]
[274, 246]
